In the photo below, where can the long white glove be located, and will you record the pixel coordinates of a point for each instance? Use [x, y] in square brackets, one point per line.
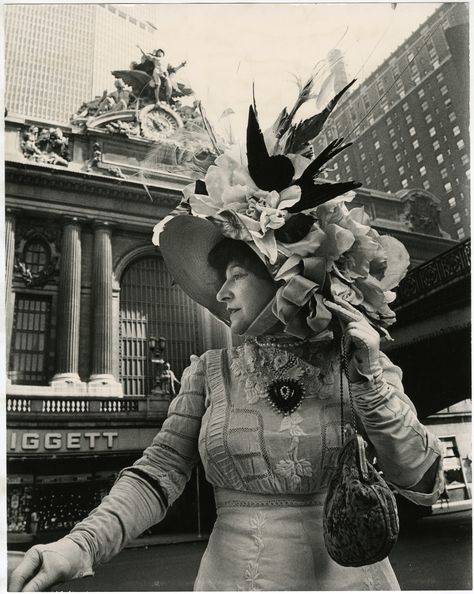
[409, 455]
[47, 564]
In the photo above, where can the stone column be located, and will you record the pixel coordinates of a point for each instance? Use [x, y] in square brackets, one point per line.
[69, 303]
[102, 379]
[10, 223]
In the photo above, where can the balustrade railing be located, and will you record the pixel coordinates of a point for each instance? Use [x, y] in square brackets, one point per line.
[447, 267]
[122, 405]
[18, 405]
[70, 405]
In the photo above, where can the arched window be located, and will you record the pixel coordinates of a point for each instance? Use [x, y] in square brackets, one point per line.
[151, 306]
[36, 255]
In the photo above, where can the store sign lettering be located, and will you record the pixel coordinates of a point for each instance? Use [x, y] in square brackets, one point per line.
[77, 440]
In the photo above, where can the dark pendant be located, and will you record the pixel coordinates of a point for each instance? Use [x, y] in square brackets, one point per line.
[286, 395]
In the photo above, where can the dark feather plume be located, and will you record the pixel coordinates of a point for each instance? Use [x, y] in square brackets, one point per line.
[321, 193]
[308, 129]
[283, 122]
[306, 181]
[268, 173]
[295, 228]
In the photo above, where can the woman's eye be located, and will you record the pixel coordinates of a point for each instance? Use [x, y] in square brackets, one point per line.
[237, 275]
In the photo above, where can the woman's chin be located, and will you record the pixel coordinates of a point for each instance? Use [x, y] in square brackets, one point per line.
[239, 328]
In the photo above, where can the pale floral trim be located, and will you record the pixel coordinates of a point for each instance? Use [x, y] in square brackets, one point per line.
[292, 468]
[252, 572]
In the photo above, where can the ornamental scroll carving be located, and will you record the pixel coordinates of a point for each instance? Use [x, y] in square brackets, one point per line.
[422, 212]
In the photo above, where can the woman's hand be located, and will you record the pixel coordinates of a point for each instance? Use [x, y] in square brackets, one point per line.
[361, 342]
[46, 565]
[362, 345]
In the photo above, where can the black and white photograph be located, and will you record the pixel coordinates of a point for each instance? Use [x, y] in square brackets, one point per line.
[237, 324]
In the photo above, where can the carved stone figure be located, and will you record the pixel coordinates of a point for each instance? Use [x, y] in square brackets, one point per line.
[153, 79]
[28, 144]
[161, 73]
[46, 146]
[118, 100]
[96, 156]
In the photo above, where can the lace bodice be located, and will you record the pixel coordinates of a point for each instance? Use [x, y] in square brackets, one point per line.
[245, 444]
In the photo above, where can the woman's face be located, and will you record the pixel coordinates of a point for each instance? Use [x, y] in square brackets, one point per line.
[245, 295]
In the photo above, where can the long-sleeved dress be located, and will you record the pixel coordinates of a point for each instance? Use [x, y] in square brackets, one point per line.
[269, 472]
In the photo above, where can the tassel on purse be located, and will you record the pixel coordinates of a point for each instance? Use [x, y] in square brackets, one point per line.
[360, 512]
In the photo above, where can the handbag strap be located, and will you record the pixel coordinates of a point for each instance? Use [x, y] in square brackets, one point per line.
[345, 372]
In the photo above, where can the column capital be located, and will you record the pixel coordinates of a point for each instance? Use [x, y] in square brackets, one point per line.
[72, 220]
[12, 212]
[101, 224]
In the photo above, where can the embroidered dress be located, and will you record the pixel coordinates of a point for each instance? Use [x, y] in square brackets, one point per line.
[269, 470]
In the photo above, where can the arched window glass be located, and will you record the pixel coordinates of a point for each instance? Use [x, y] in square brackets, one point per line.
[36, 255]
[150, 305]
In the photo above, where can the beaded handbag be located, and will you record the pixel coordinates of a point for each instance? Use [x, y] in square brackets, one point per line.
[360, 512]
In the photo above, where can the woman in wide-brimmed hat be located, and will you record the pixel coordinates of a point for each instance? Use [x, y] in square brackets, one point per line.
[281, 259]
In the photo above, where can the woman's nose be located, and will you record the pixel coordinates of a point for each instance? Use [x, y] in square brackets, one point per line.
[223, 294]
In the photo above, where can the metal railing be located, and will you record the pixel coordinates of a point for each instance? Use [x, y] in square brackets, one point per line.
[449, 266]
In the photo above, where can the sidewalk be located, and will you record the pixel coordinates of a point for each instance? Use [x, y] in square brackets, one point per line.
[165, 539]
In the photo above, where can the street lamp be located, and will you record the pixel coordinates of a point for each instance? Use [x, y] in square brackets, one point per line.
[157, 348]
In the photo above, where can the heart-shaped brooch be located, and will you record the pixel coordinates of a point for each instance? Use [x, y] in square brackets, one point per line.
[285, 395]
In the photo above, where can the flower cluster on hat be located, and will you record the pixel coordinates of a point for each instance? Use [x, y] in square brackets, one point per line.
[299, 224]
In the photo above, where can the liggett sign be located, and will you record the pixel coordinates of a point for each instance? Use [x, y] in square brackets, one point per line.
[61, 441]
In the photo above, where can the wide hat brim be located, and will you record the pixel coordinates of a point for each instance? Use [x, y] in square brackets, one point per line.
[185, 243]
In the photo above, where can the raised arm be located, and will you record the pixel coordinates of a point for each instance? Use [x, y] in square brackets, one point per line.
[409, 455]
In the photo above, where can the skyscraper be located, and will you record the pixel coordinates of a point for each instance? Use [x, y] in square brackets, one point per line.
[409, 120]
[57, 56]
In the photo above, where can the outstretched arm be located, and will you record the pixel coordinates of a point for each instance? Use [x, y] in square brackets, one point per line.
[139, 498]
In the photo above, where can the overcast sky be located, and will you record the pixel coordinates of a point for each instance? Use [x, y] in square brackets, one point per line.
[229, 45]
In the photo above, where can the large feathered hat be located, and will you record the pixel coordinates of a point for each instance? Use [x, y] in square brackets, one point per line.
[320, 252]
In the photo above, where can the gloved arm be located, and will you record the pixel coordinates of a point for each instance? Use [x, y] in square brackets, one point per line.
[409, 455]
[47, 564]
[143, 492]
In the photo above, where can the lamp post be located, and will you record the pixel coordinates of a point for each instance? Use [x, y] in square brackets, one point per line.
[157, 348]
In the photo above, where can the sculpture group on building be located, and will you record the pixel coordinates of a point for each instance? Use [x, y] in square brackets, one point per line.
[150, 102]
[151, 81]
[48, 145]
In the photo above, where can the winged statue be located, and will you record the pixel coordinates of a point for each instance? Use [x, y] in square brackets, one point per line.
[153, 79]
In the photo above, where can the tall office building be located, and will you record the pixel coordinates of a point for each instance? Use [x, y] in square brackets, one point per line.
[409, 120]
[56, 56]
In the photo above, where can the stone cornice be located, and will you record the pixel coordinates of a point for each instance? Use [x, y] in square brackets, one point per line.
[88, 183]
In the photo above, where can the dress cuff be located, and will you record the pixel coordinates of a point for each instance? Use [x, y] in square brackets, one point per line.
[425, 498]
[68, 547]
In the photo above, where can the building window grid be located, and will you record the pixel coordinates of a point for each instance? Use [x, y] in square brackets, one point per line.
[31, 327]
